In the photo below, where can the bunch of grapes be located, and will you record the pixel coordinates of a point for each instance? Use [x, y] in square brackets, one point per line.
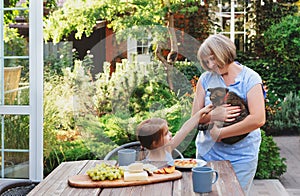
[105, 172]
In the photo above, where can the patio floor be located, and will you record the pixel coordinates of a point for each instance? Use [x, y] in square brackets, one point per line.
[289, 182]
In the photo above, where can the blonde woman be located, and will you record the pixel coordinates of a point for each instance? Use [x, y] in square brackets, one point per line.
[217, 56]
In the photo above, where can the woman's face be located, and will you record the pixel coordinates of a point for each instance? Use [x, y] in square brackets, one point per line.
[212, 64]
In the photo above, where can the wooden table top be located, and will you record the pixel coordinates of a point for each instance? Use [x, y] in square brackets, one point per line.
[56, 183]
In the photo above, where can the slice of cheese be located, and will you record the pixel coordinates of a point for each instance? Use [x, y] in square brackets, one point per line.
[135, 167]
[140, 176]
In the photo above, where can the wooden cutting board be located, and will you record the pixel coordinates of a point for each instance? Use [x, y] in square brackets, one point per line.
[84, 181]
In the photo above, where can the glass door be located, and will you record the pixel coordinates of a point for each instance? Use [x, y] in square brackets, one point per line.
[21, 94]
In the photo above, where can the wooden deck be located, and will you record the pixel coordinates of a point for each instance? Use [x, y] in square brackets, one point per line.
[289, 182]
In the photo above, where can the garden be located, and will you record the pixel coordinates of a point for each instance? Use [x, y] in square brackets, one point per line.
[86, 116]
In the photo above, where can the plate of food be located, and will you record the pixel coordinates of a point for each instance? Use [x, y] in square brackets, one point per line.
[188, 163]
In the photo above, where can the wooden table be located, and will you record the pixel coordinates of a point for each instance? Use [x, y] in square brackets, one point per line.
[56, 183]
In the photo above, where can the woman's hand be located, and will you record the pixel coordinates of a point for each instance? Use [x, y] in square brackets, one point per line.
[225, 113]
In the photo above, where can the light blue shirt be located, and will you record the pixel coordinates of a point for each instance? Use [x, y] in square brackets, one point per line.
[245, 150]
[168, 157]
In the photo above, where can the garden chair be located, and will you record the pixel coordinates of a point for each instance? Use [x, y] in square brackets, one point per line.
[141, 152]
[12, 77]
[12, 84]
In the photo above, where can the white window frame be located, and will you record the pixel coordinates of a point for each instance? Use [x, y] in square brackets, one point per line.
[35, 107]
[132, 51]
[232, 33]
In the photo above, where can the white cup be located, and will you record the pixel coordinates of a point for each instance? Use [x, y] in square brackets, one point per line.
[126, 156]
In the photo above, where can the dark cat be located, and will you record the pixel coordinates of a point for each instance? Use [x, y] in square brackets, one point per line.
[221, 96]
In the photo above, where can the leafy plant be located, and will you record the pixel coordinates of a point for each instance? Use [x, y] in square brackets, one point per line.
[151, 96]
[261, 18]
[270, 164]
[62, 105]
[282, 42]
[114, 91]
[15, 45]
[286, 118]
[54, 64]
[66, 151]
[189, 69]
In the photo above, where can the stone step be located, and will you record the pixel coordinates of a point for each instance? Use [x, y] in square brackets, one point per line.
[293, 192]
[272, 187]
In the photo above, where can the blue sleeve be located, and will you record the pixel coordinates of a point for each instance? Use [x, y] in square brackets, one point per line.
[254, 79]
[203, 79]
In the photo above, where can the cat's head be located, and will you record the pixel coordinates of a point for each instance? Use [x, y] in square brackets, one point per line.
[217, 95]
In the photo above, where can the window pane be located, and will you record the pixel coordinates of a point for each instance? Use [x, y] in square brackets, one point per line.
[16, 32]
[16, 132]
[16, 165]
[16, 146]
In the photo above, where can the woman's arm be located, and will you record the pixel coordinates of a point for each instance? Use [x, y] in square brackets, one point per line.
[254, 120]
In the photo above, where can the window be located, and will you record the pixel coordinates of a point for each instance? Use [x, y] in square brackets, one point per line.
[229, 18]
[143, 46]
[21, 91]
[139, 50]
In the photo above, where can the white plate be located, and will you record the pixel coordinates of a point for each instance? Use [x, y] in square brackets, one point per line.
[200, 163]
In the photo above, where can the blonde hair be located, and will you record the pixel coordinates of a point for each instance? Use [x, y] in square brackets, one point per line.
[150, 130]
[221, 47]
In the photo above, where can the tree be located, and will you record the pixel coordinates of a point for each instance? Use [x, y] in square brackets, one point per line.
[81, 16]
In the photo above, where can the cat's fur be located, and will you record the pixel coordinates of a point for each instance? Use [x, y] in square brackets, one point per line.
[220, 96]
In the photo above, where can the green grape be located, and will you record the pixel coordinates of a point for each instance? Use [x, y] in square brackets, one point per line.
[104, 171]
[110, 177]
[102, 178]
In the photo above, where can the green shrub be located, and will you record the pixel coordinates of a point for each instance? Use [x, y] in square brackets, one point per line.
[282, 42]
[277, 83]
[118, 127]
[270, 164]
[129, 88]
[67, 151]
[287, 116]
[113, 91]
[263, 17]
[279, 79]
[151, 96]
[55, 63]
[62, 109]
[189, 69]
[188, 72]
